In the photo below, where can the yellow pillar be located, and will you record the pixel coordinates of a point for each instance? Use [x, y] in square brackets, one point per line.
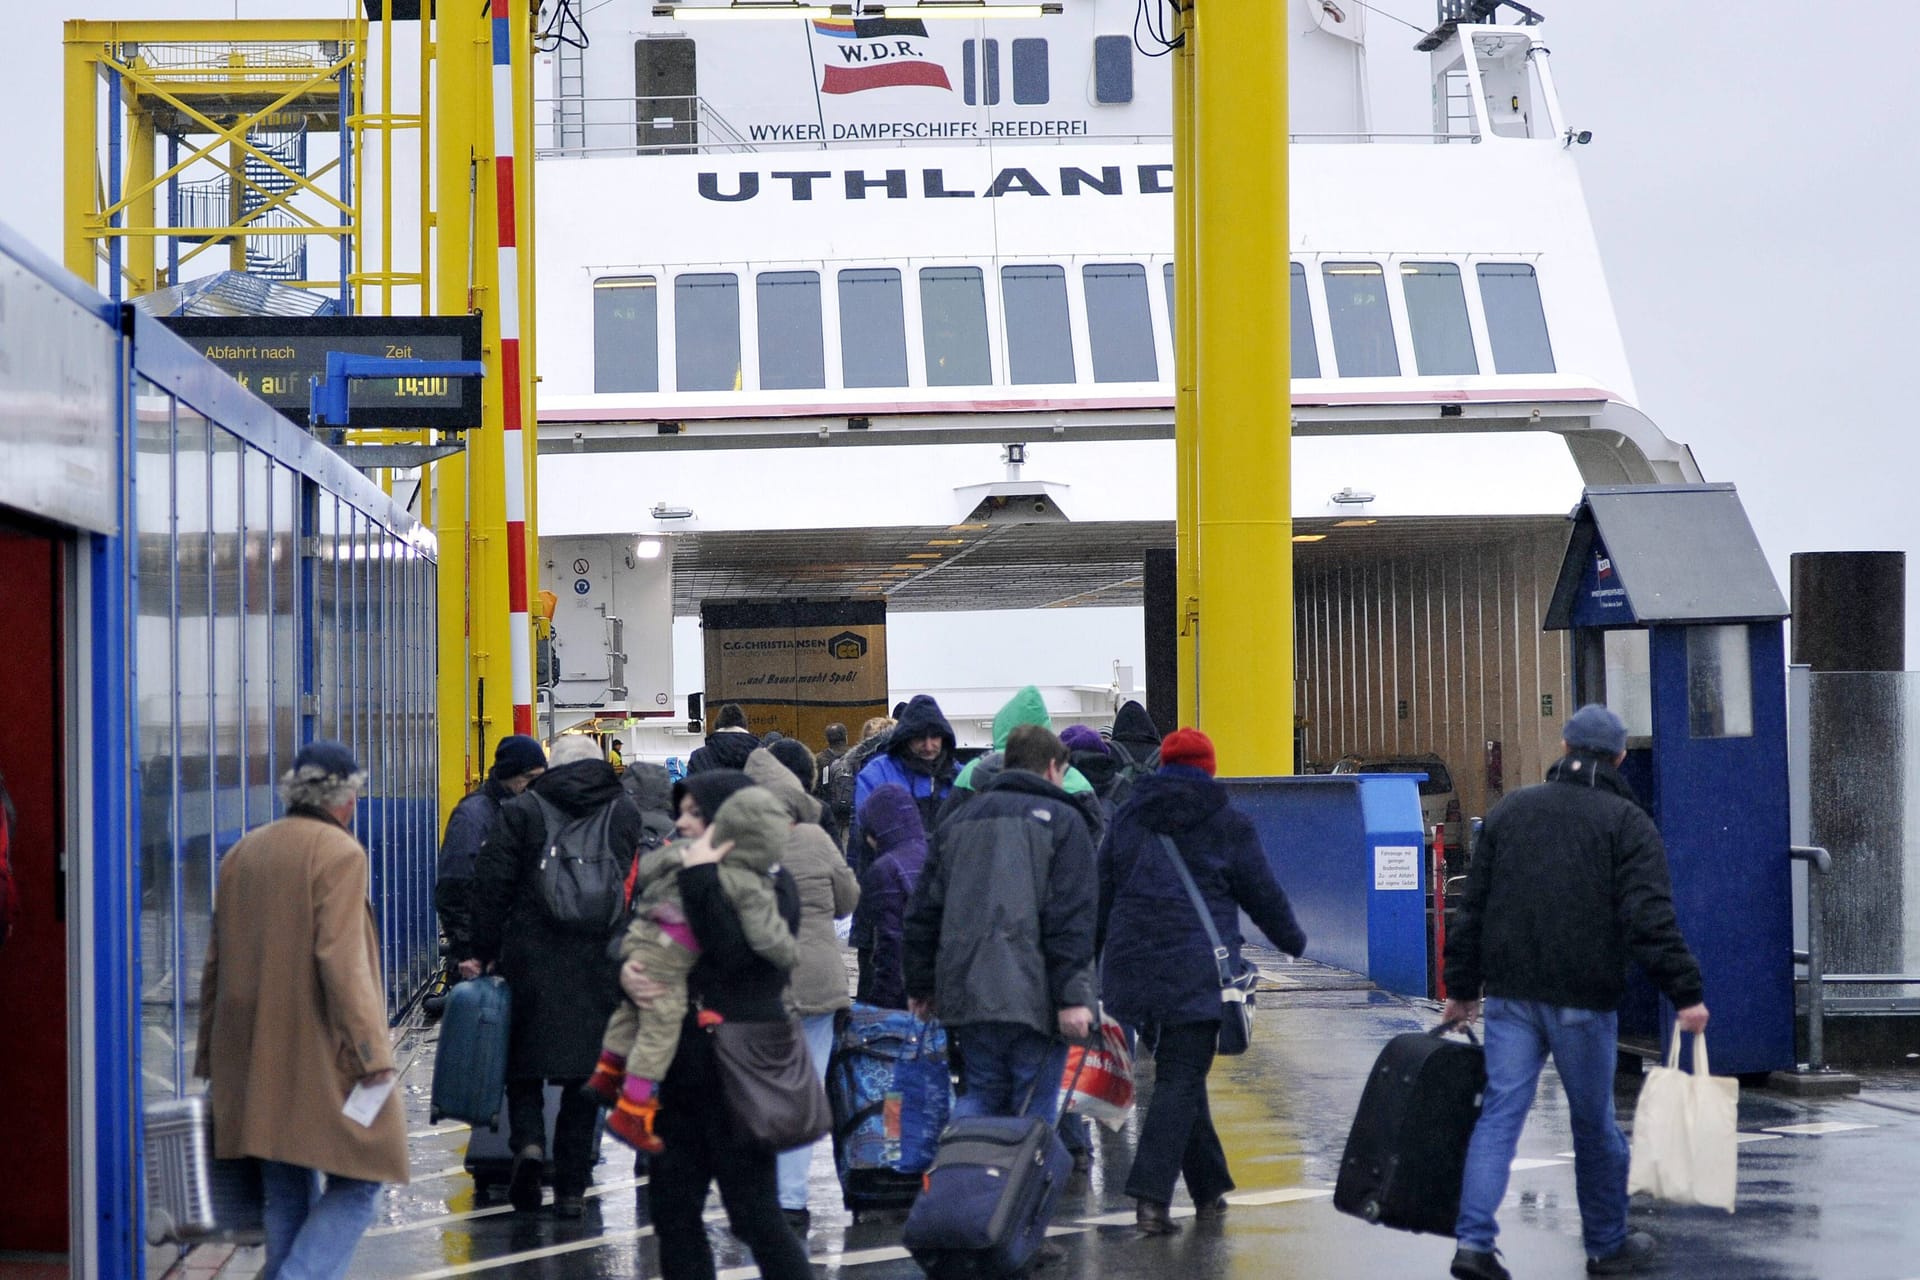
[1243, 521]
[82, 177]
[141, 250]
[1185, 258]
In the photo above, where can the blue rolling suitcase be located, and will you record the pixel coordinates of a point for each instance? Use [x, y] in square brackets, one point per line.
[988, 1198]
[890, 1089]
[470, 1064]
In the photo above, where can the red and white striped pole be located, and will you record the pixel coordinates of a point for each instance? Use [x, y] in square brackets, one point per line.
[507, 293]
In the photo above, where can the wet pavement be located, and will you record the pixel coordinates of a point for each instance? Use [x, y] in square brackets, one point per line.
[1826, 1186]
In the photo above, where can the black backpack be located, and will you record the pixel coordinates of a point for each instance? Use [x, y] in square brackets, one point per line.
[842, 776]
[580, 884]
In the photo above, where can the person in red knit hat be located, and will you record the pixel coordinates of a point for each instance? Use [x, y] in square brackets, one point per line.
[1189, 747]
[1179, 837]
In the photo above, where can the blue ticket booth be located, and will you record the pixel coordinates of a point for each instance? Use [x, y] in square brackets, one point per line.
[1676, 621]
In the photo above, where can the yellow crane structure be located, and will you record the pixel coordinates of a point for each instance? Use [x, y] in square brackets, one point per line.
[237, 104]
[1233, 395]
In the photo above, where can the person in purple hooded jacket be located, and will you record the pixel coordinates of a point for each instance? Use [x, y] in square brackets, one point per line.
[898, 844]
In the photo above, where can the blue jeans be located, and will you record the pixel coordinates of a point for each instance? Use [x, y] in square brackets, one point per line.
[311, 1235]
[999, 1063]
[794, 1164]
[1520, 1034]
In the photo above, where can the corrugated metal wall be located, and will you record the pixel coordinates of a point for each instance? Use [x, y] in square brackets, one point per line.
[1427, 638]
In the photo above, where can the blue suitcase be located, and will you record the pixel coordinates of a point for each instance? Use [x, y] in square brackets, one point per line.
[889, 1086]
[470, 1064]
[988, 1198]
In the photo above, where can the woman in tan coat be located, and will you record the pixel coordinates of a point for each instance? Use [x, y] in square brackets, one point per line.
[292, 1019]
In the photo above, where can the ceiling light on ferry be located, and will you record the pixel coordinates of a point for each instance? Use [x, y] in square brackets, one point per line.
[649, 548]
[972, 10]
[1309, 537]
[751, 9]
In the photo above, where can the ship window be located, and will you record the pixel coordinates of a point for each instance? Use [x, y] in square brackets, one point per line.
[980, 74]
[873, 329]
[1030, 80]
[1306, 355]
[1039, 341]
[1516, 324]
[953, 324]
[1362, 328]
[792, 352]
[1173, 315]
[1118, 327]
[1113, 68]
[1437, 314]
[626, 334]
[706, 331]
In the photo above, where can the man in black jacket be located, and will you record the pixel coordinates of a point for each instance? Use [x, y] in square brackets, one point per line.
[999, 938]
[517, 761]
[729, 745]
[1568, 882]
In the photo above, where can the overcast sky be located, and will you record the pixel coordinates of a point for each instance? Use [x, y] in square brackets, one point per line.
[1752, 180]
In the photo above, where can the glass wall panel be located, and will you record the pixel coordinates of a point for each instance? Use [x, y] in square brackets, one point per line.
[194, 667]
[953, 325]
[256, 573]
[327, 622]
[792, 342]
[626, 334]
[1719, 683]
[1362, 325]
[1039, 336]
[1119, 326]
[164, 1067]
[229, 653]
[873, 328]
[1516, 324]
[1306, 351]
[706, 331]
[285, 571]
[1437, 314]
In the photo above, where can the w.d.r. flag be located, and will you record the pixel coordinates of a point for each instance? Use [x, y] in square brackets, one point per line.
[878, 53]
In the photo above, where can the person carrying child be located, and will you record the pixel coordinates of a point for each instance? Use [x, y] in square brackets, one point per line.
[640, 1043]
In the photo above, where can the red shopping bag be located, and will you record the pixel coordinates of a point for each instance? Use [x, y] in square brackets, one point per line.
[1099, 1076]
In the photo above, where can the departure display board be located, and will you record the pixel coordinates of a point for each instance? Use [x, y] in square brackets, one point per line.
[275, 356]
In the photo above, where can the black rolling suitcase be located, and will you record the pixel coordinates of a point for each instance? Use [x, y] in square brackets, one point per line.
[1407, 1150]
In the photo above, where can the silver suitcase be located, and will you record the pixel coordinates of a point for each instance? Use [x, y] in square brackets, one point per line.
[192, 1197]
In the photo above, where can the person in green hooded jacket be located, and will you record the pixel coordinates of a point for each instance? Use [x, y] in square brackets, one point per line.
[1024, 707]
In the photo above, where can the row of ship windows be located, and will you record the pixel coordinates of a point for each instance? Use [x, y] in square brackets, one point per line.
[1038, 325]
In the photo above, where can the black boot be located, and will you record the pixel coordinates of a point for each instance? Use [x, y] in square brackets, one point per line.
[1151, 1219]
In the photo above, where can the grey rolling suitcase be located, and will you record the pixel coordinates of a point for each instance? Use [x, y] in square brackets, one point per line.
[489, 1158]
[192, 1197]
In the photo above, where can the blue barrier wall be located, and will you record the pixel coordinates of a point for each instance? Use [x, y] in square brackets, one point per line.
[1348, 850]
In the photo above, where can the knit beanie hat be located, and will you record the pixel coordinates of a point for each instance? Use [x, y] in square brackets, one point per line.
[1189, 747]
[710, 789]
[1595, 728]
[757, 822]
[1078, 737]
[516, 754]
[794, 754]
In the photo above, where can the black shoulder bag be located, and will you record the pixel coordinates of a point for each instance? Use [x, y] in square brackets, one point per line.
[1236, 990]
[768, 1080]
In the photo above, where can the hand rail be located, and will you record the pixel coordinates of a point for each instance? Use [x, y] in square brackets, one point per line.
[1819, 866]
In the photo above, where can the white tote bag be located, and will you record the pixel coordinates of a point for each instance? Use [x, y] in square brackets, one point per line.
[1685, 1133]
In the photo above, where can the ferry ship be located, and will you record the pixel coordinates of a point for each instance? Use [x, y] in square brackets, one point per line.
[903, 253]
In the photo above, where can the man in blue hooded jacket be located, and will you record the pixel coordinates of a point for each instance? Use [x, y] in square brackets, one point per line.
[919, 758]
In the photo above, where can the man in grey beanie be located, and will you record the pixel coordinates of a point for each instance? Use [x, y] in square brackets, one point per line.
[1568, 882]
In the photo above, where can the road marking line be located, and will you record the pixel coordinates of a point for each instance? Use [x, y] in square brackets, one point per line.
[436, 1130]
[1285, 1196]
[1745, 1138]
[1522, 1165]
[459, 1169]
[533, 1255]
[1814, 1130]
[598, 1189]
